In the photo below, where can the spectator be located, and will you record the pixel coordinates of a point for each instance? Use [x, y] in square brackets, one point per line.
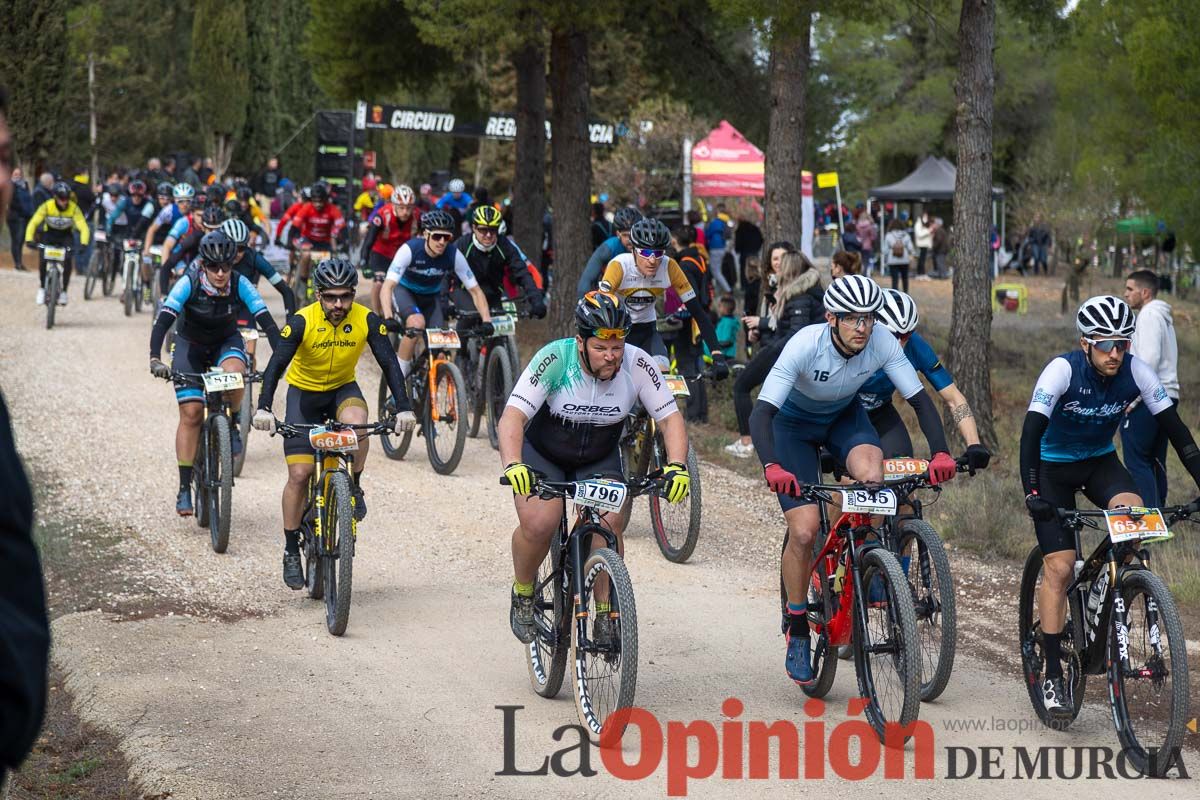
[728, 327]
[1143, 442]
[898, 252]
[169, 168]
[1039, 240]
[747, 242]
[689, 349]
[868, 235]
[266, 181]
[20, 210]
[714, 236]
[192, 173]
[602, 229]
[41, 193]
[154, 173]
[845, 263]
[941, 246]
[923, 231]
[693, 218]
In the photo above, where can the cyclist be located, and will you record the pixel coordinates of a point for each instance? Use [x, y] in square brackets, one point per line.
[564, 419]
[55, 223]
[320, 222]
[413, 287]
[456, 198]
[1067, 447]
[899, 315]
[393, 225]
[808, 401]
[136, 207]
[364, 204]
[644, 275]
[183, 195]
[182, 242]
[492, 258]
[205, 301]
[253, 265]
[320, 347]
[609, 249]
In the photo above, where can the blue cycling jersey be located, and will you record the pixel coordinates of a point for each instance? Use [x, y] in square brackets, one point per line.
[608, 250]
[1085, 407]
[420, 273]
[877, 391]
[126, 204]
[179, 229]
[167, 215]
[461, 203]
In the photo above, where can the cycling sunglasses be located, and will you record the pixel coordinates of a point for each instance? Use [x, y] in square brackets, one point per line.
[440, 237]
[610, 333]
[650, 254]
[338, 297]
[1108, 345]
[219, 267]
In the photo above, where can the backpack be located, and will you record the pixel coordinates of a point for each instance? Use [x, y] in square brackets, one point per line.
[898, 246]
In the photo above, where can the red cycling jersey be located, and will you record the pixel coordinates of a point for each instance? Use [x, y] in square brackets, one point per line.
[316, 226]
[390, 232]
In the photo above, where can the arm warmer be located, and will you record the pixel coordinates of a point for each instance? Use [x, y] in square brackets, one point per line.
[592, 272]
[707, 331]
[368, 242]
[1181, 440]
[931, 423]
[166, 318]
[268, 326]
[289, 297]
[1031, 449]
[282, 352]
[381, 348]
[762, 432]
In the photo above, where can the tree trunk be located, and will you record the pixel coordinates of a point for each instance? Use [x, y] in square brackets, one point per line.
[971, 318]
[570, 168]
[529, 180]
[788, 68]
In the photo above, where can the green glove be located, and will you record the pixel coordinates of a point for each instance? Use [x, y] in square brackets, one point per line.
[677, 482]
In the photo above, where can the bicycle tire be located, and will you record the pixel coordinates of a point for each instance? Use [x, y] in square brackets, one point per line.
[135, 273]
[245, 414]
[221, 498]
[1153, 758]
[1029, 642]
[546, 656]
[310, 548]
[127, 291]
[93, 274]
[676, 539]
[199, 482]
[108, 274]
[621, 596]
[473, 381]
[338, 559]
[450, 412]
[497, 385]
[395, 445]
[52, 291]
[824, 655]
[934, 605]
[901, 621]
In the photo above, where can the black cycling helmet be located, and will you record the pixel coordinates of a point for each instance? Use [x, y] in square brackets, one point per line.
[244, 193]
[626, 218]
[232, 207]
[602, 311]
[335, 273]
[486, 217]
[649, 234]
[61, 190]
[437, 220]
[212, 217]
[137, 187]
[217, 248]
[320, 191]
[114, 188]
[165, 189]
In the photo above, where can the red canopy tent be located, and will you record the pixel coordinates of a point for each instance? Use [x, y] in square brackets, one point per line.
[726, 164]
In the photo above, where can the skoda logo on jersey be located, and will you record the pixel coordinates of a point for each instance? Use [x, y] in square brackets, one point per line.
[536, 377]
[347, 328]
[650, 370]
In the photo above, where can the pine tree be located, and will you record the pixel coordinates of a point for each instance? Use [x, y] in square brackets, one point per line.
[33, 36]
[220, 74]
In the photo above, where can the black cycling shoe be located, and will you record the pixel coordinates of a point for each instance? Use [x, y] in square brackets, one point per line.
[1055, 699]
[520, 618]
[183, 502]
[293, 574]
[360, 505]
[235, 442]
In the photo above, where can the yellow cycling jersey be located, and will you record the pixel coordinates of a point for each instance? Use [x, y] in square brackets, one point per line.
[365, 202]
[326, 355]
[50, 218]
[622, 277]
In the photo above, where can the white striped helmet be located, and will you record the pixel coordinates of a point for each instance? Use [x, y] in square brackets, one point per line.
[1105, 315]
[898, 312]
[852, 294]
[403, 195]
[236, 229]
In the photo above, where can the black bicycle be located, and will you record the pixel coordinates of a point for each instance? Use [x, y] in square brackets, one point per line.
[489, 367]
[1121, 620]
[584, 559]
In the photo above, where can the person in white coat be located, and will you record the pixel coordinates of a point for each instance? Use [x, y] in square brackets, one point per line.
[1143, 442]
[923, 233]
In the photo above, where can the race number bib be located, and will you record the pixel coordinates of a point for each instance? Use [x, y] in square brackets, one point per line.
[504, 326]
[865, 501]
[249, 334]
[56, 254]
[677, 385]
[1136, 523]
[509, 307]
[899, 468]
[601, 494]
[222, 381]
[443, 339]
[344, 441]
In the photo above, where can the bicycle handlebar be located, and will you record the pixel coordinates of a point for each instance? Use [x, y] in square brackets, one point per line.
[1083, 516]
[553, 490]
[291, 429]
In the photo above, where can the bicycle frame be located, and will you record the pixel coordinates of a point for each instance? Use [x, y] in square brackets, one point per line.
[844, 545]
[325, 465]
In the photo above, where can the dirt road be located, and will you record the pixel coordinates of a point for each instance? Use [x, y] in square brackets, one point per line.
[228, 685]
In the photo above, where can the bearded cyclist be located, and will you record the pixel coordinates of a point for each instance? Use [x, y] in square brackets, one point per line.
[808, 401]
[609, 249]
[388, 228]
[492, 258]
[554, 424]
[320, 347]
[55, 222]
[1067, 447]
[205, 301]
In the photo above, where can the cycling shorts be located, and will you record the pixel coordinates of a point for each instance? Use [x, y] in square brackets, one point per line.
[405, 303]
[189, 356]
[1100, 478]
[315, 408]
[607, 467]
[893, 433]
[376, 266]
[797, 444]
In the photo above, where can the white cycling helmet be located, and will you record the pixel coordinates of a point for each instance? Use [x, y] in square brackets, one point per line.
[853, 294]
[236, 230]
[403, 195]
[184, 191]
[898, 312]
[1105, 316]
[456, 186]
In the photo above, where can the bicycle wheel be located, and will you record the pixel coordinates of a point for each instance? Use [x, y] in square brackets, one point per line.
[1150, 699]
[221, 482]
[53, 288]
[472, 372]
[310, 548]
[135, 276]
[108, 272]
[199, 481]
[1033, 657]
[497, 384]
[676, 527]
[932, 588]
[245, 414]
[887, 657]
[394, 445]
[547, 654]
[93, 273]
[606, 677]
[337, 557]
[820, 611]
[127, 290]
[445, 425]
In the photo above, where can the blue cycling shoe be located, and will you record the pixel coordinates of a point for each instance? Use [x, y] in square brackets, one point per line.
[183, 502]
[799, 660]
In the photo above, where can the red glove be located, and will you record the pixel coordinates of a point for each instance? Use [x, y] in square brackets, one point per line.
[942, 468]
[781, 481]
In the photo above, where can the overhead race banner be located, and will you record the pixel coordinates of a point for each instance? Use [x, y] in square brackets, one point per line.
[413, 119]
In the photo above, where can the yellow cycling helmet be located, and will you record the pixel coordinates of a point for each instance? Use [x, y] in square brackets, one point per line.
[486, 217]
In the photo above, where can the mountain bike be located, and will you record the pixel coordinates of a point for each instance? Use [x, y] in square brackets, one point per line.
[438, 396]
[328, 529]
[131, 276]
[858, 596]
[676, 528]
[303, 287]
[155, 284]
[212, 468]
[96, 267]
[246, 411]
[584, 558]
[54, 257]
[1117, 614]
[488, 369]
